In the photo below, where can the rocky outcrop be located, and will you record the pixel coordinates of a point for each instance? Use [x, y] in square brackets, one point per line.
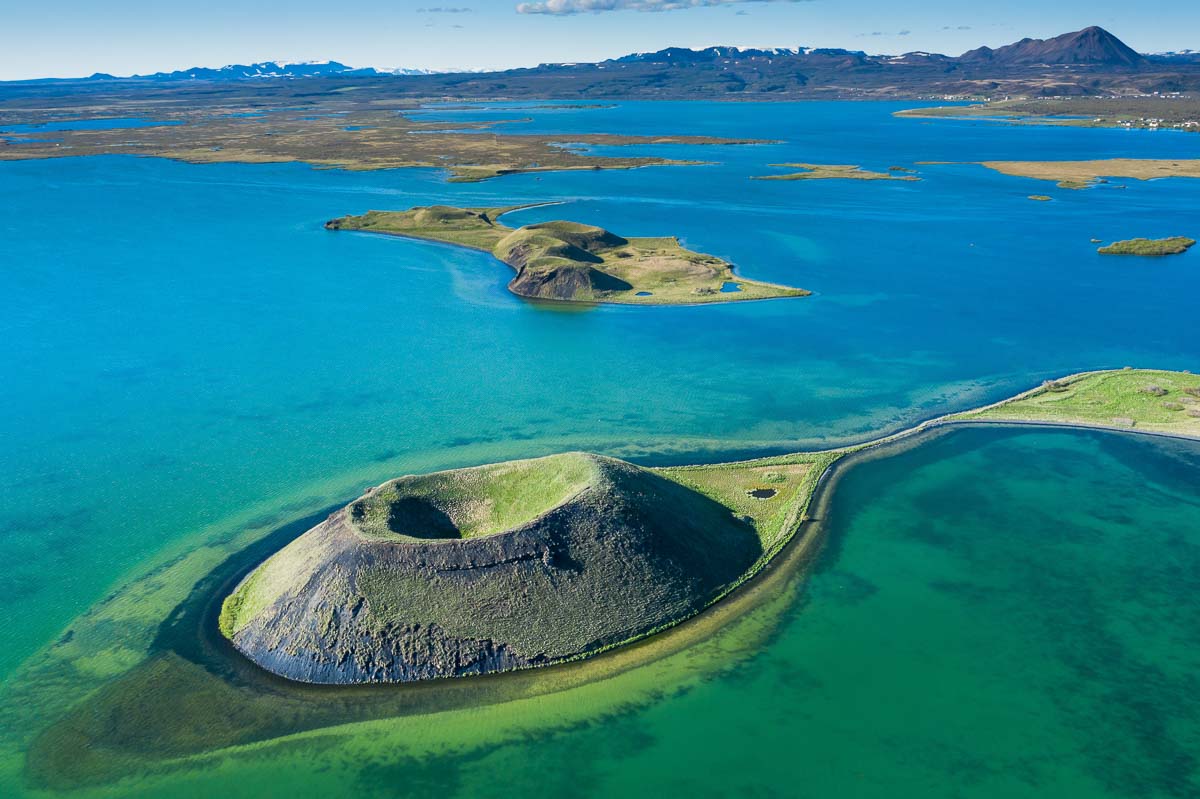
[565, 282]
[555, 261]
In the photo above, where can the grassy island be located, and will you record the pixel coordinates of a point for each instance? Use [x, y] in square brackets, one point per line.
[1172, 245]
[572, 262]
[838, 172]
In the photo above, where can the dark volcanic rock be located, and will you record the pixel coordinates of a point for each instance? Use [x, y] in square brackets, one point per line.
[567, 282]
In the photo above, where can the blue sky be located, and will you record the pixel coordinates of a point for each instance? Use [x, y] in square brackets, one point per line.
[78, 37]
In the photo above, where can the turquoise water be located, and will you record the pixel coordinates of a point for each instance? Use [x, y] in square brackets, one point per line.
[183, 344]
[994, 613]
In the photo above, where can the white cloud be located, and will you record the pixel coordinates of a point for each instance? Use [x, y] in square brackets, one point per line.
[567, 7]
[881, 33]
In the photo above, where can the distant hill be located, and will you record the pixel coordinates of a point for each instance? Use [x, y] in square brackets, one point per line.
[1092, 45]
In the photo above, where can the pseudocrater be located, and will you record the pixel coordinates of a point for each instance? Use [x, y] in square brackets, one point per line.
[488, 569]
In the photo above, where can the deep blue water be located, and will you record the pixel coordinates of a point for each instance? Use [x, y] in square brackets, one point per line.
[183, 343]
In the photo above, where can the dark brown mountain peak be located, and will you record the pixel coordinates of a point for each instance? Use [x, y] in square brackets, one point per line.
[1092, 45]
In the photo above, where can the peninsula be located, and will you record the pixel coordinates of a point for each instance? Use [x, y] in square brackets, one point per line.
[572, 262]
[1141, 112]
[529, 563]
[1083, 174]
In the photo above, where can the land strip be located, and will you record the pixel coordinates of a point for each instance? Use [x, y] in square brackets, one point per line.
[837, 172]
[1138, 112]
[333, 132]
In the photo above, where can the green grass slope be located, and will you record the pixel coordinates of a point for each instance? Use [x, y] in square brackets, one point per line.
[470, 503]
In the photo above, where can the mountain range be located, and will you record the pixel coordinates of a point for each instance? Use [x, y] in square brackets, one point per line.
[1091, 61]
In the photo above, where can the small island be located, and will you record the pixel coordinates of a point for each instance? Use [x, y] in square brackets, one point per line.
[1172, 245]
[1085, 174]
[528, 563]
[572, 262]
[838, 172]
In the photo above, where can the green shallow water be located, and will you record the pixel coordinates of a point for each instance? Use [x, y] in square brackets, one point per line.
[995, 612]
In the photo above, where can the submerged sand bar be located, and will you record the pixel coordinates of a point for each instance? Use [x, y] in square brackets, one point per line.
[838, 172]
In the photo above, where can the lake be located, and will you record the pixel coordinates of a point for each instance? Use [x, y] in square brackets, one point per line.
[188, 353]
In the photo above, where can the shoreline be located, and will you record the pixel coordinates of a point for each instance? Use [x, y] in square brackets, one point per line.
[183, 640]
[795, 532]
